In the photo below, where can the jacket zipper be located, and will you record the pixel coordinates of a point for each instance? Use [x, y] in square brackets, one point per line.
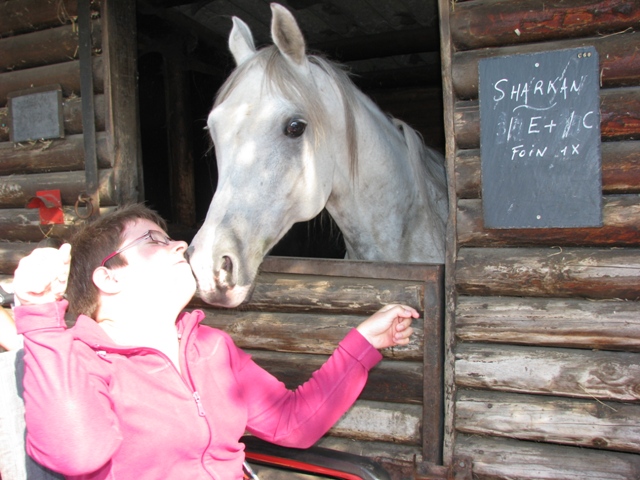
[102, 352]
[196, 396]
[189, 384]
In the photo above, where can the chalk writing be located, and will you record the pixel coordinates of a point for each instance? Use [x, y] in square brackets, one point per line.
[540, 139]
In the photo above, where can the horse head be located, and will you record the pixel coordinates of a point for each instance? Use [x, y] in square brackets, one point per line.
[284, 129]
[266, 129]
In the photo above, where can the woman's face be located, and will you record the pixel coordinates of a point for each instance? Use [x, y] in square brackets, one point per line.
[158, 269]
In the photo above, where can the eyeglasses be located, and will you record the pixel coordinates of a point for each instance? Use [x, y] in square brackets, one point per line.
[153, 236]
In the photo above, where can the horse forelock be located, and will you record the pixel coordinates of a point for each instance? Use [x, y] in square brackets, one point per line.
[298, 89]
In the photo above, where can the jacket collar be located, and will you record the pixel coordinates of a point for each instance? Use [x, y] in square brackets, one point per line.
[87, 330]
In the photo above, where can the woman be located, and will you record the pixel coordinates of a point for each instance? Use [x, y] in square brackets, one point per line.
[137, 388]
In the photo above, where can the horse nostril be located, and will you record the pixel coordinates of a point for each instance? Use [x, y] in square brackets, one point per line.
[227, 264]
[188, 252]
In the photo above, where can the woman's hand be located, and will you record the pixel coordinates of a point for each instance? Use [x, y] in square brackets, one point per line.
[41, 276]
[389, 326]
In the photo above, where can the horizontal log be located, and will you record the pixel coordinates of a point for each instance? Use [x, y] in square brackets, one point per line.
[23, 224]
[620, 170]
[549, 371]
[468, 174]
[300, 332]
[606, 325]
[619, 118]
[382, 422]
[72, 116]
[72, 111]
[619, 66]
[466, 124]
[620, 113]
[389, 381]
[302, 293]
[486, 23]
[540, 418]
[495, 458]
[18, 16]
[620, 167]
[621, 228]
[59, 155]
[379, 451]
[11, 253]
[549, 272]
[66, 74]
[45, 47]
[16, 190]
[431, 274]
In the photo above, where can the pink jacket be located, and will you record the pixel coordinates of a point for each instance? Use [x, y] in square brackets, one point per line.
[96, 410]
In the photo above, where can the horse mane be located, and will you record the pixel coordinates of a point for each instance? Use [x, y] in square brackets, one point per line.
[288, 82]
[427, 164]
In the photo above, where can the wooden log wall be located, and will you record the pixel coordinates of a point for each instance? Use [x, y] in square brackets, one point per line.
[40, 47]
[302, 308]
[543, 351]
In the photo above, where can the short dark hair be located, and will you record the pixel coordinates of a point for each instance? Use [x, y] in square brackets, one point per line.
[93, 242]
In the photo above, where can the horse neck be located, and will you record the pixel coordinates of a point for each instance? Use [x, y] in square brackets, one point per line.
[380, 211]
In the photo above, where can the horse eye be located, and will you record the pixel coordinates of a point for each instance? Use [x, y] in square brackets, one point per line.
[295, 128]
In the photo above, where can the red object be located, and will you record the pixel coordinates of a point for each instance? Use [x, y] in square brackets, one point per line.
[300, 466]
[50, 206]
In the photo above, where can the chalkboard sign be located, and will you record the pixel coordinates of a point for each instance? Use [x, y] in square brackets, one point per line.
[36, 114]
[540, 140]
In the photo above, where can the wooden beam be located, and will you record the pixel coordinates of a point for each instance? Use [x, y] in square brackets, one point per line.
[486, 23]
[18, 189]
[558, 272]
[586, 423]
[300, 332]
[509, 458]
[121, 98]
[45, 47]
[67, 74]
[57, 155]
[394, 382]
[619, 117]
[181, 168]
[569, 323]
[561, 372]
[621, 228]
[620, 170]
[19, 16]
[619, 64]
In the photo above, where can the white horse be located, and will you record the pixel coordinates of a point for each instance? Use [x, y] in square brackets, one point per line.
[292, 136]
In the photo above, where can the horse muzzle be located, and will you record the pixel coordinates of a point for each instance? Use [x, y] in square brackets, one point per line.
[217, 282]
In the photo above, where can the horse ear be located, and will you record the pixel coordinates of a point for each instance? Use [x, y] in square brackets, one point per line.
[241, 41]
[287, 35]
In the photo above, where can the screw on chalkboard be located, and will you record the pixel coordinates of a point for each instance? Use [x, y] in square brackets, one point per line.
[584, 55]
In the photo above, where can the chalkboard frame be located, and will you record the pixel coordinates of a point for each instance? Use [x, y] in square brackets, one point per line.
[36, 114]
[533, 176]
